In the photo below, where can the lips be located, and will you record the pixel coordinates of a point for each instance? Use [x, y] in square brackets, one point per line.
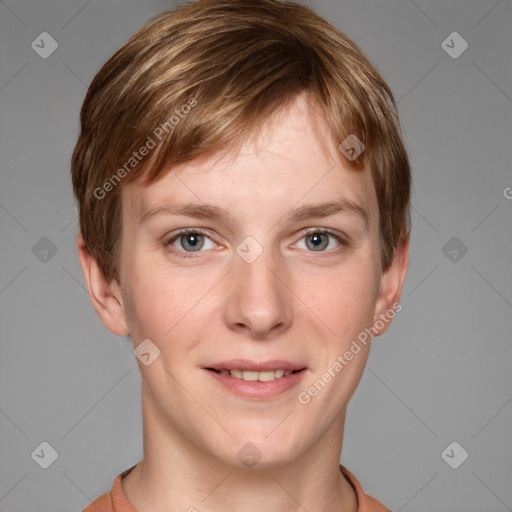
[257, 379]
[253, 375]
[256, 366]
[262, 371]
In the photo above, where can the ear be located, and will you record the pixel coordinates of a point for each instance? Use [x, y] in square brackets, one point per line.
[391, 284]
[105, 296]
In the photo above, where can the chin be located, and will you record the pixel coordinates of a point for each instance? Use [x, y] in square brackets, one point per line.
[252, 450]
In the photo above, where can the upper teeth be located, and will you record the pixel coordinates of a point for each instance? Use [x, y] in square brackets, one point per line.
[252, 375]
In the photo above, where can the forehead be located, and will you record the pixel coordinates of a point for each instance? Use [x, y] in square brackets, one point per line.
[293, 160]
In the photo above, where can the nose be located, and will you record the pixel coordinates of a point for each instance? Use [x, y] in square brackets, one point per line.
[259, 302]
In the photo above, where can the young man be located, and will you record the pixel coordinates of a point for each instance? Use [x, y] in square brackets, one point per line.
[244, 217]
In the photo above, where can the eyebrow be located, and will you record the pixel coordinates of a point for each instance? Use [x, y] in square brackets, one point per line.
[304, 212]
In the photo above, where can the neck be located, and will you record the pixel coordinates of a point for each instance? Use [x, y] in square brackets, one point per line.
[176, 475]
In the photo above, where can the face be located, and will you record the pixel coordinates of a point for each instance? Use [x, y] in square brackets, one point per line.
[260, 282]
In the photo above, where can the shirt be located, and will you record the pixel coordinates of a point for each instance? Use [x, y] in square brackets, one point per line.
[116, 501]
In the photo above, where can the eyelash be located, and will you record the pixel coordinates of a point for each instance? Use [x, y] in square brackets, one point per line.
[190, 254]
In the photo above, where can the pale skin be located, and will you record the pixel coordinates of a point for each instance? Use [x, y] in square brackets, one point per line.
[295, 302]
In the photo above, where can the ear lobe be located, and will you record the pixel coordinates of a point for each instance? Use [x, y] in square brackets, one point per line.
[105, 296]
[390, 290]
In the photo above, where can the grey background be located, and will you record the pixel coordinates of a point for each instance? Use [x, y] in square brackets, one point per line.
[441, 373]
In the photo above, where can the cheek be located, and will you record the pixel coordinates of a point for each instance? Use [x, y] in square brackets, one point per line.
[160, 303]
[344, 301]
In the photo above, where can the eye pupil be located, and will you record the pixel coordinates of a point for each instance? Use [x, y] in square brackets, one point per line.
[317, 240]
[193, 240]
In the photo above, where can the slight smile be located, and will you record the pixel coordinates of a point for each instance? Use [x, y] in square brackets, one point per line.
[251, 379]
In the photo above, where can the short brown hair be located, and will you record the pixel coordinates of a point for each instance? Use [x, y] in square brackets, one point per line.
[239, 61]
